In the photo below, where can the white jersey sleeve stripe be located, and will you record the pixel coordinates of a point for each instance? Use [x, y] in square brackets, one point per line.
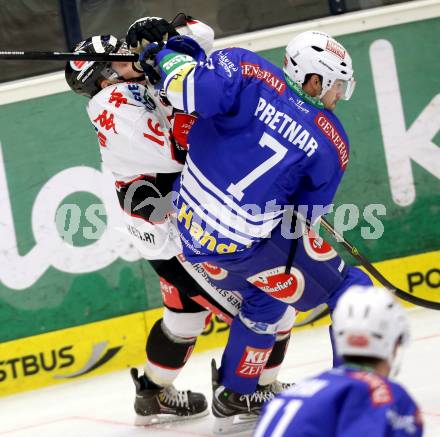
[188, 92]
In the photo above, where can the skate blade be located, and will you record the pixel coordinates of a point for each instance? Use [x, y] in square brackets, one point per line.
[234, 424]
[157, 419]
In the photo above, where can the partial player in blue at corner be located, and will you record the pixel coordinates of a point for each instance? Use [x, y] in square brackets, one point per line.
[266, 142]
[356, 398]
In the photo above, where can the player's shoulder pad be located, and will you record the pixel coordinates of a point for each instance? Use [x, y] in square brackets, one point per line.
[123, 93]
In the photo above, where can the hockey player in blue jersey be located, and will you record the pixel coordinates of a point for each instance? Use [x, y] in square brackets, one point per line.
[265, 142]
[356, 398]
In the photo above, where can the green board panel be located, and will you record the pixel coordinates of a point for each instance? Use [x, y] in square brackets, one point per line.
[40, 139]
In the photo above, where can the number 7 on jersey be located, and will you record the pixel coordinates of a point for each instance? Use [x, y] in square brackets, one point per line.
[237, 190]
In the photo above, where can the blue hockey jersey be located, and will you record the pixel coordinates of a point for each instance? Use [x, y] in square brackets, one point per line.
[256, 147]
[342, 402]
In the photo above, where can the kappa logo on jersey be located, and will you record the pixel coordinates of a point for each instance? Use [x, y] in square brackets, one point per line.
[288, 288]
[254, 70]
[317, 248]
[334, 47]
[333, 135]
[117, 98]
[215, 272]
[106, 121]
[380, 391]
[252, 362]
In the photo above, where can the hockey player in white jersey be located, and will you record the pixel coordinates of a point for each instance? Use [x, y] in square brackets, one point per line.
[143, 141]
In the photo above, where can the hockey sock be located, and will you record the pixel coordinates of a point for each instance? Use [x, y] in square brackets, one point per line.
[273, 365]
[166, 354]
[244, 358]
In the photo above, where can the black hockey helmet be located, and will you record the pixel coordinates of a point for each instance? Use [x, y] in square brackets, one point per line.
[84, 77]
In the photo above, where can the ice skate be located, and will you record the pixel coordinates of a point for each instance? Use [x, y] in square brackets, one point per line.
[233, 411]
[277, 386]
[155, 404]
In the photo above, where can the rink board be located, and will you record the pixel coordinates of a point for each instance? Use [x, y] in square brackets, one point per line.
[118, 343]
[79, 308]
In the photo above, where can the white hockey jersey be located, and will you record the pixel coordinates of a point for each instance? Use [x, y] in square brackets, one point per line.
[133, 129]
[136, 132]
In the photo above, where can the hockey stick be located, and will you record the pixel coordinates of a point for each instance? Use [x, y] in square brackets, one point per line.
[354, 252]
[321, 311]
[179, 20]
[68, 56]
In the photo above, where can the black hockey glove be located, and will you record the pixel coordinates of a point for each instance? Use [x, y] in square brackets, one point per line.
[147, 60]
[148, 30]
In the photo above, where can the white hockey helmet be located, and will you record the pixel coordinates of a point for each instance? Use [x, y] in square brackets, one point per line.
[315, 52]
[369, 322]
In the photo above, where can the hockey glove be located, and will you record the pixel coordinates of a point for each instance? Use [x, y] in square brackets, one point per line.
[186, 45]
[147, 30]
[147, 60]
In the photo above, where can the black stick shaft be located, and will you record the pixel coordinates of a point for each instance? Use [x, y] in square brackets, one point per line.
[60, 56]
[375, 273]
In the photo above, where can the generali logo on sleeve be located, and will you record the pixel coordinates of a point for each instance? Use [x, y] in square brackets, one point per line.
[254, 70]
[333, 135]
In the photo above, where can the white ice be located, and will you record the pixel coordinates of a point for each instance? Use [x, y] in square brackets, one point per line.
[102, 406]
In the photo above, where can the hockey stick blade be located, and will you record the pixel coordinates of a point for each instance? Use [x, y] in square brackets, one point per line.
[354, 252]
[68, 56]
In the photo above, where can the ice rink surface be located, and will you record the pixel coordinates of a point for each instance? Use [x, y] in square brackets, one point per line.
[102, 406]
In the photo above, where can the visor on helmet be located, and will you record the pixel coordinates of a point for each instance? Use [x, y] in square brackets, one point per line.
[342, 88]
